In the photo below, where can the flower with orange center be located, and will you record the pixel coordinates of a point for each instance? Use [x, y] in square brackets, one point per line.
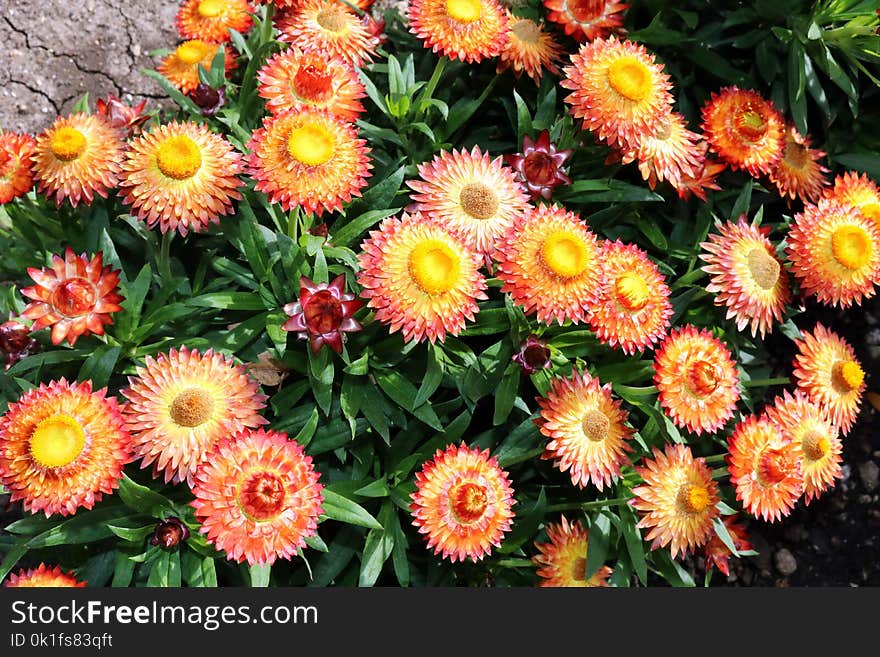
[294, 79]
[669, 152]
[471, 194]
[618, 90]
[764, 468]
[798, 172]
[587, 430]
[257, 497]
[587, 20]
[745, 129]
[330, 28]
[697, 379]
[718, 554]
[827, 371]
[77, 157]
[75, 296]
[562, 560]
[529, 49]
[835, 253]
[181, 176]
[43, 577]
[323, 313]
[181, 404]
[677, 500]
[182, 66]
[539, 167]
[211, 20]
[815, 437]
[704, 179]
[549, 263]
[632, 310]
[859, 191]
[62, 447]
[308, 158]
[469, 30]
[420, 277]
[746, 275]
[462, 503]
[16, 159]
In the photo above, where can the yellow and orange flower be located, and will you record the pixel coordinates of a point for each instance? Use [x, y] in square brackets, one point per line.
[309, 158]
[632, 310]
[677, 501]
[587, 20]
[181, 176]
[211, 20]
[619, 91]
[182, 66]
[330, 28]
[182, 404]
[62, 447]
[746, 276]
[835, 253]
[562, 560]
[257, 496]
[530, 49]
[764, 468]
[549, 263]
[704, 179]
[745, 129]
[476, 196]
[589, 437]
[294, 79]
[469, 30]
[77, 157]
[697, 379]
[669, 152]
[462, 503]
[798, 172]
[815, 437]
[859, 191]
[827, 371]
[75, 296]
[718, 554]
[420, 277]
[16, 159]
[43, 577]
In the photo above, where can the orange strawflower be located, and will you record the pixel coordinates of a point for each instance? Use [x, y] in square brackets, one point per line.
[16, 160]
[43, 577]
[798, 172]
[562, 560]
[857, 190]
[211, 20]
[62, 447]
[668, 152]
[182, 66]
[718, 554]
[330, 28]
[462, 503]
[586, 20]
[469, 30]
[530, 49]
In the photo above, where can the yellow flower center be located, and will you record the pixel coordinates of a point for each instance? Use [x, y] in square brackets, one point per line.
[211, 8]
[261, 496]
[872, 212]
[57, 441]
[565, 254]
[630, 78]
[596, 425]
[67, 144]
[702, 378]
[192, 52]
[526, 30]
[815, 445]
[464, 11]
[632, 291]
[847, 375]
[764, 268]
[311, 144]
[434, 267]
[693, 498]
[468, 501]
[179, 157]
[851, 246]
[751, 124]
[478, 200]
[192, 407]
[332, 19]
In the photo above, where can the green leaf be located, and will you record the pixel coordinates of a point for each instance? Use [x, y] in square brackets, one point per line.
[525, 525]
[597, 550]
[81, 105]
[342, 509]
[198, 571]
[165, 571]
[724, 535]
[183, 101]
[349, 232]
[797, 99]
[132, 534]
[634, 545]
[377, 548]
[123, 571]
[98, 367]
[505, 395]
[134, 292]
[228, 301]
[259, 575]
[523, 117]
[432, 378]
[144, 500]
[321, 372]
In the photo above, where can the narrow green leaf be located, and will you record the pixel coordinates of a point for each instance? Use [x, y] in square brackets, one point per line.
[259, 575]
[342, 509]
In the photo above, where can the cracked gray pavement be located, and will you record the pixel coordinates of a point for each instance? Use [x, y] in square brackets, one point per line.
[53, 51]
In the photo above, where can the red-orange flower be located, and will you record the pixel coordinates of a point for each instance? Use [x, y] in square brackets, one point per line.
[75, 296]
[43, 576]
[529, 49]
[211, 20]
[181, 67]
[469, 30]
[562, 560]
[328, 27]
[718, 554]
[586, 20]
[323, 313]
[857, 190]
[16, 159]
[798, 172]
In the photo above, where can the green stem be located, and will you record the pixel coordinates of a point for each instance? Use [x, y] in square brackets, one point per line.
[528, 456]
[763, 383]
[586, 506]
[164, 263]
[433, 82]
[716, 458]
